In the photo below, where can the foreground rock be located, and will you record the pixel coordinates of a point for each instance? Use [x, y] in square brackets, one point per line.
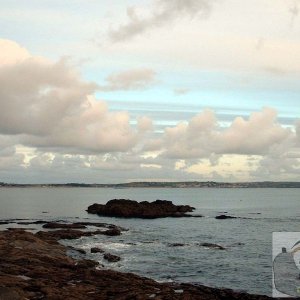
[35, 267]
[147, 210]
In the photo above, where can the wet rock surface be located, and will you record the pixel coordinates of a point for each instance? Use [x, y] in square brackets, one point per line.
[146, 210]
[97, 250]
[212, 246]
[54, 225]
[35, 266]
[176, 245]
[223, 217]
[111, 258]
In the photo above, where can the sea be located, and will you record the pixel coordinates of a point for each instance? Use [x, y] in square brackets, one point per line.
[146, 248]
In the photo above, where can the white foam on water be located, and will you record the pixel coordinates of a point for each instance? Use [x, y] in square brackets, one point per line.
[106, 246]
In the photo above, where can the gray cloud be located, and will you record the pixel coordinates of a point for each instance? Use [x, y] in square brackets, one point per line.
[135, 79]
[162, 13]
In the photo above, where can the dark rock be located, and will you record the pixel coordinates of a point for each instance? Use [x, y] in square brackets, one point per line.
[9, 294]
[4, 223]
[111, 258]
[96, 250]
[66, 234]
[176, 245]
[31, 222]
[35, 267]
[212, 246]
[81, 251]
[146, 210]
[223, 217]
[112, 232]
[54, 225]
[86, 263]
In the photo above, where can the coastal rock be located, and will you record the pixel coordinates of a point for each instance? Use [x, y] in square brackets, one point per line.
[66, 234]
[112, 232]
[147, 210]
[96, 250]
[176, 245]
[34, 267]
[212, 246]
[54, 225]
[111, 258]
[223, 217]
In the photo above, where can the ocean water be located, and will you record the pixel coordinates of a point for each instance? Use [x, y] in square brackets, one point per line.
[145, 249]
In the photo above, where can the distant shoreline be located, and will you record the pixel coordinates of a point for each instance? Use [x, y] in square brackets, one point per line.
[181, 184]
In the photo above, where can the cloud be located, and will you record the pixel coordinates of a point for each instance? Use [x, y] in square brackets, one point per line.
[145, 124]
[48, 104]
[135, 79]
[202, 136]
[70, 135]
[255, 135]
[294, 11]
[11, 52]
[162, 13]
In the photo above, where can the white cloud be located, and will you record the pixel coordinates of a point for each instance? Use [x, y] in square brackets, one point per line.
[48, 104]
[202, 136]
[129, 80]
[11, 52]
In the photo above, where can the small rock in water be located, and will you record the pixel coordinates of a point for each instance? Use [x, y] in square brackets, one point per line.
[223, 217]
[176, 245]
[212, 246]
[112, 232]
[111, 258]
[96, 250]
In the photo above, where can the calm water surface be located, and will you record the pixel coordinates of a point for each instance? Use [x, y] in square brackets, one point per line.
[145, 248]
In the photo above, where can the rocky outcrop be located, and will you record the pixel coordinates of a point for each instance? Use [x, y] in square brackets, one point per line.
[71, 234]
[223, 217]
[212, 246]
[33, 266]
[176, 245]
[54, 225]
[147, 210]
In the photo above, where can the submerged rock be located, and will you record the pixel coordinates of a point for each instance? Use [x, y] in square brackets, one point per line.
[111, 258]
[147, 210]
[96, 250]
[112, 232]
[176, 245]
[212, 246]
[223, 217]
[54, 225]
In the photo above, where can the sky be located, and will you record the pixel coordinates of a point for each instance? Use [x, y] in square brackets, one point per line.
[109, 91]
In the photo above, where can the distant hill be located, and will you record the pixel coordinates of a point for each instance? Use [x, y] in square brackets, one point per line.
[181, 184]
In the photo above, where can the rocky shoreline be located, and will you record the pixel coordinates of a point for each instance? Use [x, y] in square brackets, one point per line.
[37, 266]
